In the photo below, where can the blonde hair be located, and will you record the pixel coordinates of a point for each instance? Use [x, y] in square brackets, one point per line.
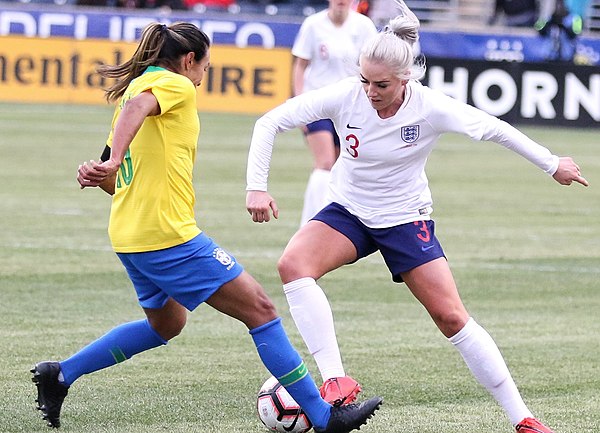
[393, 46]
[160, 45]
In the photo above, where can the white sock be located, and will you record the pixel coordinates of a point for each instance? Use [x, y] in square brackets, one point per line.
[312, 314]
[485, 361]
[315, 196]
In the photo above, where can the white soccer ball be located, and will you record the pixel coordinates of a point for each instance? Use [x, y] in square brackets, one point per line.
[278, 411]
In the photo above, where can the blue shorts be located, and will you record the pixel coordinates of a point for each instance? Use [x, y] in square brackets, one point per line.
[189, 273]
[403, 247]
[324, 125]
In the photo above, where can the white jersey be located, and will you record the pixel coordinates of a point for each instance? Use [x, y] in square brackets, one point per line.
[380, 174]
[332, 51]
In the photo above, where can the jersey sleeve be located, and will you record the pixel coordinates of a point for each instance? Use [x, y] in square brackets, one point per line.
[451, 115]
[172, 91]
[300, 110]
[513, 139]
[169, 91]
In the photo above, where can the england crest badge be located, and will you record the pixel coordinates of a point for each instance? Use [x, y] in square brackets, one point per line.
[409, 133]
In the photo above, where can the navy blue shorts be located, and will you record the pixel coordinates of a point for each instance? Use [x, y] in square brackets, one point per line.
[189, 273]
[324, 125]
[403, 247]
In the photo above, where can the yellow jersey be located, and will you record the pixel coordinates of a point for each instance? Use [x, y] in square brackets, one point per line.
[153, 204]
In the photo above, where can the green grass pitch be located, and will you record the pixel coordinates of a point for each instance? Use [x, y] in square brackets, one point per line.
[525, 252]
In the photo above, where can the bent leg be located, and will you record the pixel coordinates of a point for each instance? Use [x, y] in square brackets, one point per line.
[315, 250]
[482, 356]
[244, 299]
[283, 361]
[118, 345]
[169, 320]
[164, 320]
[433, 285]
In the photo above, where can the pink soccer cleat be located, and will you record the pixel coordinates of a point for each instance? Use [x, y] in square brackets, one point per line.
[532, 425]
[340, 390]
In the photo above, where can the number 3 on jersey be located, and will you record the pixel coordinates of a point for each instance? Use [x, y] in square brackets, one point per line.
[424, 234]
[352, 144]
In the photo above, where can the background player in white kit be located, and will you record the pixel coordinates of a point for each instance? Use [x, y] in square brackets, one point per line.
[389, 123]
[326, 51]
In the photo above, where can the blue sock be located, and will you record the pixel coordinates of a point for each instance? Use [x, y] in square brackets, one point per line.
[282, 360]
[118, 345]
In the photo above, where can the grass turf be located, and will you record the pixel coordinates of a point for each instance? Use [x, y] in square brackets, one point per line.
[525, 252]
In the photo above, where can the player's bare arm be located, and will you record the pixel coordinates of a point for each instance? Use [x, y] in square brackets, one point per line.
[130, 121]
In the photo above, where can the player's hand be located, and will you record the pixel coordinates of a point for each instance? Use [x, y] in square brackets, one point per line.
[88, 174]
[260, 204]
[92, 173]
[568, 172]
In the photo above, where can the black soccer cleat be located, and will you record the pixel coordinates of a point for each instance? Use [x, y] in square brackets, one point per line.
[51, 393]
[351, 416]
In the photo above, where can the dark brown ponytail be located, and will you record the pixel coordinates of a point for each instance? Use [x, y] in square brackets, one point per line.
[160, 45]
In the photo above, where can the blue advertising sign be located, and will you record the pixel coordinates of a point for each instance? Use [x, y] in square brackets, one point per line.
[501, 47]
[120, 25]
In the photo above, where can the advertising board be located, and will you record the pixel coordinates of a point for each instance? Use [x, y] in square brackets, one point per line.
[62, 70]
[523, 93]
[50, 55]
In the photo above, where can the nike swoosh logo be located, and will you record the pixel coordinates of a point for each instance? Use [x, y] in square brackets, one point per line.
[428, 247]
[352, 127]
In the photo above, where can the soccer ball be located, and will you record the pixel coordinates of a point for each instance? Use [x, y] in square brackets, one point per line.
[278, 411]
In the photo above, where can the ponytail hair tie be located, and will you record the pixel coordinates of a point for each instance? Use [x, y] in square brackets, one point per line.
[388, 29]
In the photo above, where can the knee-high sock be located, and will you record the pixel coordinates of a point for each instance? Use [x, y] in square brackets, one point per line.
[116, 346]
[485, 361]
[284, 362]
[315, 195]
[312, 314]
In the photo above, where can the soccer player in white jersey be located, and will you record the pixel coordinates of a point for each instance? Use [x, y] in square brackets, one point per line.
[326, 51]
[389, 123]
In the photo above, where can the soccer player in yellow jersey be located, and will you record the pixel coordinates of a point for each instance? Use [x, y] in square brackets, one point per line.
[174, 267]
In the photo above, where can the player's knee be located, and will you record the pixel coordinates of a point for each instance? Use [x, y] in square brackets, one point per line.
[294, 265]
[450, 322]
[260, 310]
[288, 267]
[269, 312]
[284, 267]
[265, 306]
[169, 328]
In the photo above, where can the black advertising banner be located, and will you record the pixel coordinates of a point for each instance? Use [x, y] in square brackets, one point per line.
[560, 94]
